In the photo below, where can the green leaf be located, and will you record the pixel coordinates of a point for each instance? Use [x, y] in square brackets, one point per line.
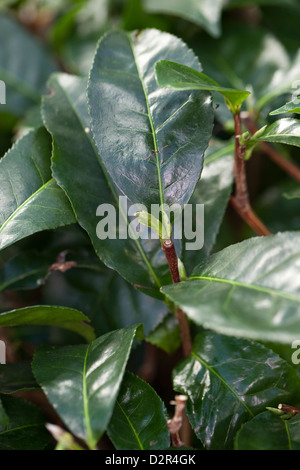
[180, 77]
[62, 317]
[17, 377]
[166, 335]
[91, 375]
[202, 12]
[213, 190]
[26, 429]
[25, 271]
[24, 67]
[269, 432]
[139, 420]
[244, 3]
[283, 131]
[251, 289]
[87, 184]
[290, 107]
[228, 381]
[31, 201]
[150, 140]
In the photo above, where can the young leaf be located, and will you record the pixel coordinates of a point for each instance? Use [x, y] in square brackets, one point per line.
[289, 108]
[30, 201]
[88, 185]
[82, 382]
[283, 131]
[25, 271]
[62, 317]
[228, 381]
[17, 377]
[150, 140]
[26, 428]
[251, 289]
[25, 67]
[139, 420]
[180, 77]
[269, 432]
[202, 12]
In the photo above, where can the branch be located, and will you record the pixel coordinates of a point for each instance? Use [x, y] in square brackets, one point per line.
[175, 424]
[170, 252]
[289, 167]
[241, 201]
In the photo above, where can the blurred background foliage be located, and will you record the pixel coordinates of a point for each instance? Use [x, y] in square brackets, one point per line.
[240, 43]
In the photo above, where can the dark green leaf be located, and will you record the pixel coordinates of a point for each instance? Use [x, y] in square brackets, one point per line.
[180, 77]
[62, 317]
[289, 108]
[17, 377]
[213, 190]
[150, 140]
[24, 67]
[283, 131]
[228, 381]
[90, 375]
[251, 289]
[139, 420]
[202, 12]
[87, 184]
[31, 201]
[25, 271]
[26, 429]
[269, 432]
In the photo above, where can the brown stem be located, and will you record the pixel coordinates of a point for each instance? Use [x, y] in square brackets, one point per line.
[289, 167]
[241, 201]
[170, 252]
[176, 422]
[287, 409]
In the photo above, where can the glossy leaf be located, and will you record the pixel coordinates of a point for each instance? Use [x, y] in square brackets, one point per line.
[26, 429]
[87, 184]
[24, 67]
[251, 289]
[139, 420]
[269, 432]
[283, 131]
[289, 108]
[91, 375]
[150, 140]
[228, 381]
[17, 377]
[4, 419]
[202, 12]
[31, 201]
[180, 77]
[25, 271]
[62, 317]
